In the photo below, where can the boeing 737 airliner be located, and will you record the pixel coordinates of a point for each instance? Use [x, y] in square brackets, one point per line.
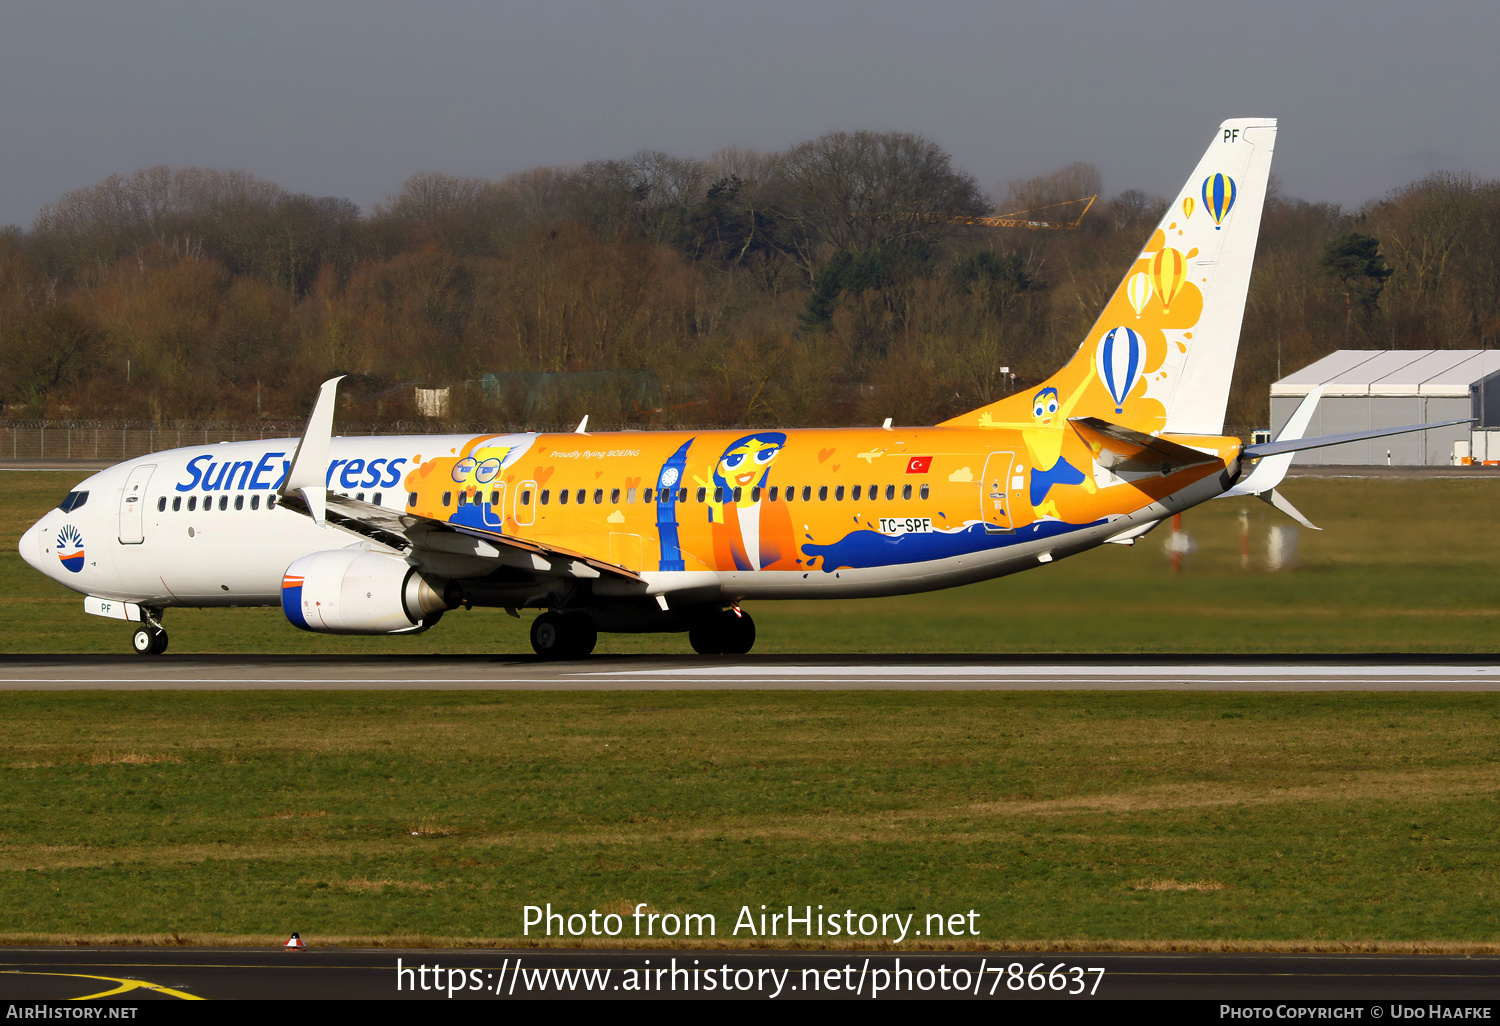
[671, 531]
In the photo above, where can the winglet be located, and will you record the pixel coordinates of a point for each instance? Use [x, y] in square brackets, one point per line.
[307, 476]
[1269, 472]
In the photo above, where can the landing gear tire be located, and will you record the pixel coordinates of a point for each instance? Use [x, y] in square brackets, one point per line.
[563, 635]
[584, 634]
[725, 632]
[146, 641]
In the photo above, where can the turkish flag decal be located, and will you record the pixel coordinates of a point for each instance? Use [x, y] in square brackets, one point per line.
[918, 464]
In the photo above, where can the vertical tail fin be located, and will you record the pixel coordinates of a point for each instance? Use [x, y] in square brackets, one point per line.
[1161, 355]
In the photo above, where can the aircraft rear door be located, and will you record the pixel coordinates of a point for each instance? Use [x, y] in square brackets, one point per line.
[133, 505]
[994, 500]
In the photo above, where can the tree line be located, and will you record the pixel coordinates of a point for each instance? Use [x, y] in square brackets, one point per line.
[833, 283]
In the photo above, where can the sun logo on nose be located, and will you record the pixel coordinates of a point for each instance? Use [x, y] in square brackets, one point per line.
[70, 548]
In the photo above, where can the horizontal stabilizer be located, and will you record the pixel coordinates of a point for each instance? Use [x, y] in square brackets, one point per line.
[1321, 441]
[1118, 448]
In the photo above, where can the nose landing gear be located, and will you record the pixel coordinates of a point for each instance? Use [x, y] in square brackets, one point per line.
[149, 638]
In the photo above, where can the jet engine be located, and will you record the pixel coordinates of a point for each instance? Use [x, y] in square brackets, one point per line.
[349, 591]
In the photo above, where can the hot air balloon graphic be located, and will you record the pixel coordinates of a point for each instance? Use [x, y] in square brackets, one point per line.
[1169, 271]
[1218, 197]
[1187, 207]
[1121, 359]
[1139, 291]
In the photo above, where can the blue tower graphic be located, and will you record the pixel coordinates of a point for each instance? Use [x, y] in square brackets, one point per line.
[667, 483]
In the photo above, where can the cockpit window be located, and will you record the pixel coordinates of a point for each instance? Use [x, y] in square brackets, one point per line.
[73, 501]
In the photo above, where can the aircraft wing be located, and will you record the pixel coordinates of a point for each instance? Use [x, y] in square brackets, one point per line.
[414, 533]
[362, 518]
[304, 492]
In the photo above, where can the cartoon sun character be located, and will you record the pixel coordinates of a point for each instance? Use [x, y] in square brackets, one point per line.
[750, 533]
[490, 462]
[475, 473]
[1043, 436]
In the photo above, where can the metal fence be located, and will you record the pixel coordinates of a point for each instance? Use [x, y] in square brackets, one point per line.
[122, 440]
[114, 441]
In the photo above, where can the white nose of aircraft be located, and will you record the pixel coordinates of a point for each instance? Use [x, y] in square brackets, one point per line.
[31, 545]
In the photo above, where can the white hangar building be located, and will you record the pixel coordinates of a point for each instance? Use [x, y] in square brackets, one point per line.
[1373, 388]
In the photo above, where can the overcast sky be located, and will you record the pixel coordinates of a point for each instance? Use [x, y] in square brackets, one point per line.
[349, 98]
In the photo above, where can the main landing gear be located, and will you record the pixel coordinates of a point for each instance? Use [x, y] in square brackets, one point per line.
[563, 635]
[723, 632]
[149, 638]
[573, 635]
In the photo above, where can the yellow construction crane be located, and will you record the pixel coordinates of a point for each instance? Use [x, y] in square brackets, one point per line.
[1018, 218]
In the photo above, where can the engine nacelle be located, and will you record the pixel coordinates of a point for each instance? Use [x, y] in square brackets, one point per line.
[354, 592]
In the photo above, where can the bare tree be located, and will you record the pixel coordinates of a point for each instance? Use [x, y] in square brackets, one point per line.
[860, 191]
[469, 216]
[541, 194]
[648, 192]
[434, 196]
[1075, 181]
[752, 167]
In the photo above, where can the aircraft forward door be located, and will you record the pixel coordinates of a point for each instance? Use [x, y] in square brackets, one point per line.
[994, 495]
[133, 505]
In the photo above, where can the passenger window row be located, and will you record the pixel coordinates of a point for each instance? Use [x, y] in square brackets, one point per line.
[190, 503]
[775, 494]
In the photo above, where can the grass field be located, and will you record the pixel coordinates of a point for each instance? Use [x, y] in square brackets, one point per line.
[1191, 819]
[1401, 566]
[1205, 819]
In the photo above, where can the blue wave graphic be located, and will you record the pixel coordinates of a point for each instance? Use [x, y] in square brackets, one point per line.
[869, 548]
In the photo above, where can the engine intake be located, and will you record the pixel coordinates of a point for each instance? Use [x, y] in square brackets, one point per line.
[355, 592]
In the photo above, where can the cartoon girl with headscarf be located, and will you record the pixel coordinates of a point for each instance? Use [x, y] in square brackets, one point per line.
[749, 532]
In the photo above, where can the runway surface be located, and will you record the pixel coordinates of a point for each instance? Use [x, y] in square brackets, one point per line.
[770, 673]
[132, 975]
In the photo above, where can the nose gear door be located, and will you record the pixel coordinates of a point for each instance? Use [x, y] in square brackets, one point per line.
[133, 505]
[994, 499]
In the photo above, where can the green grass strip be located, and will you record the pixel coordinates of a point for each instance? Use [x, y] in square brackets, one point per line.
[1106, 819]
